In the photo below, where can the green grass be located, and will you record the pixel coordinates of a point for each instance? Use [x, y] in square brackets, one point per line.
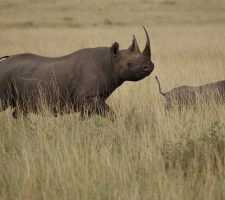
[146, 153]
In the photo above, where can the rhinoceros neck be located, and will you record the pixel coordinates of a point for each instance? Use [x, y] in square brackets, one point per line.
[97, 72]
[111, 71]
[117, 81]
[105, 61]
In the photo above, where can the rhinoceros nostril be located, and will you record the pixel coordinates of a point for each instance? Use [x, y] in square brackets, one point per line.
[129, 64]
[146, 68]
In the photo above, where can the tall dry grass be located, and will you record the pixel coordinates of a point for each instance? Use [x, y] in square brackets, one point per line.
[146, 153]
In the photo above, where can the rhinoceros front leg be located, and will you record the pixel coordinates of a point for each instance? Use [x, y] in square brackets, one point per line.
[97, 106]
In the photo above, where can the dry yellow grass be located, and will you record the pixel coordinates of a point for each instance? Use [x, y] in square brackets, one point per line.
[146, 153]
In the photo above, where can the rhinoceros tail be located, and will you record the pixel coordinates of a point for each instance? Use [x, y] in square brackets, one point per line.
[160, 90]
[4, 57]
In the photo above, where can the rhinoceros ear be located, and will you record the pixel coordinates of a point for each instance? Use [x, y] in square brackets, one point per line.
[114, 49]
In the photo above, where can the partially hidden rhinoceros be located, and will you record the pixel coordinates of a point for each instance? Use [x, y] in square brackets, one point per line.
[189, 96]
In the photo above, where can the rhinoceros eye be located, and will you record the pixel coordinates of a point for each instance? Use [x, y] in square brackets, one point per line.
[129, 64]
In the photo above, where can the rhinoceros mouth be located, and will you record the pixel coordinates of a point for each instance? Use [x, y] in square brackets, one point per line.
[147, 73]
[143, 74]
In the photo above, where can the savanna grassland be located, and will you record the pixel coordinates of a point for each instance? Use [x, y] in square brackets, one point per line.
[145, 153]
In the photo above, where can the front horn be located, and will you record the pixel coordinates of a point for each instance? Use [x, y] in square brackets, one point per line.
[147, 51]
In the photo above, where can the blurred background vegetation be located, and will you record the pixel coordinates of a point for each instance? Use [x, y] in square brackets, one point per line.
[146, 153]
[83, 13]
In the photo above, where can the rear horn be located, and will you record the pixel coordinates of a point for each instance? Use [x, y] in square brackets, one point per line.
[134, 45]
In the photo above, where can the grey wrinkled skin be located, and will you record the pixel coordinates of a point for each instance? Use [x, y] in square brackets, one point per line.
[188, 96]
[81, 81]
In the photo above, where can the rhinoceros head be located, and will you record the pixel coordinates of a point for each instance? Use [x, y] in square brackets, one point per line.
[132, 64]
